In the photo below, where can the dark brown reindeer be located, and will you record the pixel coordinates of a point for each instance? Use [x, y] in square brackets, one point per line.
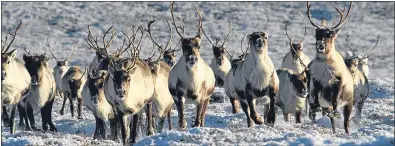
[332, 85]
[191, 79]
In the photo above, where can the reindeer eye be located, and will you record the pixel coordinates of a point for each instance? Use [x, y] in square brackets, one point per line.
[8, 62]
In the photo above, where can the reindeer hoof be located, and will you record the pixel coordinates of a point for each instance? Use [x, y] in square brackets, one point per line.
[356, 119]
[80, 117]
[6, 123]
[335, 114]
[21, 125]
[61, 113]
[258, 120]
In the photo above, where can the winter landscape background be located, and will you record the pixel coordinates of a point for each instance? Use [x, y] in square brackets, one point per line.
[66, 21]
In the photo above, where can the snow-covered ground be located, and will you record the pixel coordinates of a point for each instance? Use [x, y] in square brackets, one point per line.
[65, 21]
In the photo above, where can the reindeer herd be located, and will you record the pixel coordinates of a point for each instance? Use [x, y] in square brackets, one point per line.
[117, 89]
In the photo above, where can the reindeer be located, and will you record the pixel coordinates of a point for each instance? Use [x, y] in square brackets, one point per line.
[229, 85]
[364, 59]
[191, 78]
[361, 83]
[72, 83]
[129, 85]
[169, 57]
[290, 60]
[256, 78]
[162, 99]
[220, 63]
[42, 91]
[330, 81]
[15, 83]
[94, 99]
[62, 66]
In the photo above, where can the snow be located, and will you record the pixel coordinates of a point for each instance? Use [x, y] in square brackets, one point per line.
[65, 21]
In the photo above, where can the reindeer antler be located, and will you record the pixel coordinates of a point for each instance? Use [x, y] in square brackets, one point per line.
[348, 44]
[305, 31]
[174, 21]
[341, 22]
[72, 51]
[3, 49]
[200, 25]
[241, 45]
[377, 41]
[286, 32]
[309, 15]
[50, 50]
[135, 51]
[160, 47]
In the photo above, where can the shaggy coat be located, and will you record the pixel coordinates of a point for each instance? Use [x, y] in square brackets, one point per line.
[42, 91]
[292, 94]
[255, 79]
[15, 84]
[72, 83]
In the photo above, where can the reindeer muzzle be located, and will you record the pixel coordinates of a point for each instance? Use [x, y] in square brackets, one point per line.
[259, 44]
[95, 100]
[34, 80]
[191, 59]
[121, 93]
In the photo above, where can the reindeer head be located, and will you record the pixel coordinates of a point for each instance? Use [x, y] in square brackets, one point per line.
[35, 66]
[190, 46]
[325, 36]
[219, 50]
[76, 85]
[95, 84]
[169, 57]
[7, 57]
[61, 63]
[258, 41]
[364, 58]
[295, 47]
[299, 82]
[121, 75]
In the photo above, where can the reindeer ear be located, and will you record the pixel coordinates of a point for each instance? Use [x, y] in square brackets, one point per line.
[13, 53]
[336, 32]
[25, 58]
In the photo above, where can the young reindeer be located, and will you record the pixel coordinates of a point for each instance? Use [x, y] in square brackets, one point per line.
[361, 83]
[255, 79]
[331, 83]
[220, 63]
[72, 83]
[15, 83]
[62, 66]
[191, 78]
[162, 99]
[229, 84]
[42, 91]
[364, 59]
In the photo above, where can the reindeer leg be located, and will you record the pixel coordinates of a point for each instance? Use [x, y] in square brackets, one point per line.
[79, 108]
[71, 106]
[251, 104]
[44, 118]
[336, 94]
[357, 118]
[203, 114]
[64, 103]
[198, 117]
[272, 114]
[298, 116]
[347, 114]
[12, 119]
[169, 119]
[150, 129]
[133, 133]
[333, 124]
[5, 117]
[97, 131]
[30, 115]
[123, 119]
[180, 108]
[161, 124]
[102, 129]
[246, 110]
[113, 125]
[286, 117]
[235, 105]
[315, 104]
[22, 115]
[49, 108]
